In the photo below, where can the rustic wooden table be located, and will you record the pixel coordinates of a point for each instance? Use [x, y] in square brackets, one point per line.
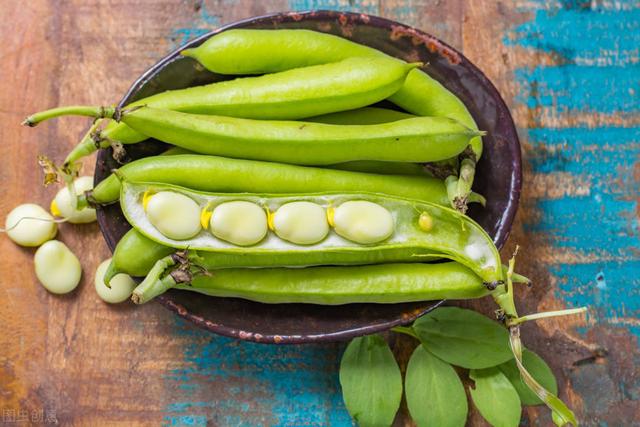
[569, 71]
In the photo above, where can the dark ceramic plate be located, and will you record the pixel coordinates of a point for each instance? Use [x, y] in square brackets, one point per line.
[499, 178]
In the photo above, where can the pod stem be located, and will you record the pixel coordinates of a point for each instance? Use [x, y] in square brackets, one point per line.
[451, 185]
[515, 277]
[152, 289]
[442, 169]
[85, 200]
[154, 285]
[411, 65]
[72, 110]
[460, 196]
[477, 198]
[111, 272]
[89, 144]
[546, 314]
[519, 278]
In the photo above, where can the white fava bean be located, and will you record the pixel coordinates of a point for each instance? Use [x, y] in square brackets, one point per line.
[122, 285]
[57, 268]
[174, 215]
[303, 223]
[239, 222]
[363, 222]
[62, 206]
[30, 232]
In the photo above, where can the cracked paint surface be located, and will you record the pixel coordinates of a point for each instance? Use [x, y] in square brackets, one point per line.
[583, 148]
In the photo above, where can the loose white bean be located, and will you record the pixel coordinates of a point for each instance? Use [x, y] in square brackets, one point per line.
[303, 223]
[62, 203]
[30, 232]
[57, 268]
[122, 285]
[174, 215]
[363, 222]
[239, 222]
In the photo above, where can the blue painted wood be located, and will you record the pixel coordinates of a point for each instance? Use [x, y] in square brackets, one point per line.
[584, 134]
[596, 73]
[585, 106]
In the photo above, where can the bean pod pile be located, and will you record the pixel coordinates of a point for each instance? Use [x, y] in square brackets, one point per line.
[292, 166]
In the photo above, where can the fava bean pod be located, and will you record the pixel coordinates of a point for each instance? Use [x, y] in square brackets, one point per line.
[249, 51]
[365, 228]
[134, 255]
[220, 174]
[417, 139]
[288, 95]
[383, 284]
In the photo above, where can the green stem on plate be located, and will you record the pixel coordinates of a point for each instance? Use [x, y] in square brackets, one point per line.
[464, 183]
[153, 284]
[89, 144]
[72, 110]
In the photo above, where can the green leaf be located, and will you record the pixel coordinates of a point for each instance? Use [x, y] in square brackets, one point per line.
[464, 338]
[495, 397]
[371, 381]
[538, 369]
[435, 395]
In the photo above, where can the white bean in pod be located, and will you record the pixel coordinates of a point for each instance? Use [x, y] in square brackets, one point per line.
[303, 223]
[57, 268]
[362, 222]
[173, 214]
[239, 222]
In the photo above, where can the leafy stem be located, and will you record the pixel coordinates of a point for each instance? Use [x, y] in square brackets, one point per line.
[563, 415]
[546, 314]
[164, 275]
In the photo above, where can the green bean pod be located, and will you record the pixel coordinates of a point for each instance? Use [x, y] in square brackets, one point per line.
[384, 284]
[220, 174]
[420, 229]
[287, 95]
[372, 116]
[247, 51]
[368, 166]
[361, 116]
[383, 168]
[134, 255]
[419, 139]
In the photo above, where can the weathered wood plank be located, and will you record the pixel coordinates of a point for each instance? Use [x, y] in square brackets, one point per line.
[568, 70]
